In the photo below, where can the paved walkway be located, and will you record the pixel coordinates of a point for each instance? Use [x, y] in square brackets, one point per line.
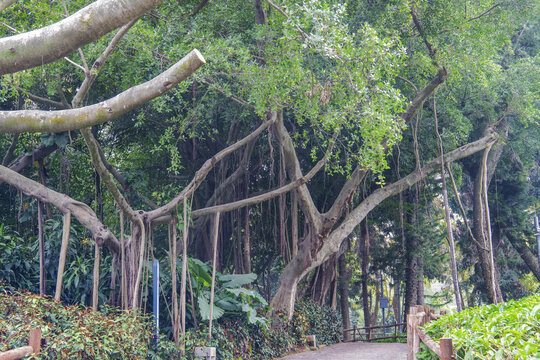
[355, 351]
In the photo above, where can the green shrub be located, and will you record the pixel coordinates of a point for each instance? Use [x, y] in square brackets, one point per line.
[312, 319]
[72, 332]
[76, 332]
[509, 330]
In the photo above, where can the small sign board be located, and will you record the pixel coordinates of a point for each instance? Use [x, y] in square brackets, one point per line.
[384, 303]
[208, 353]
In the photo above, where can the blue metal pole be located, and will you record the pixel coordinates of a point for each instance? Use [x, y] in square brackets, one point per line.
[156, 301]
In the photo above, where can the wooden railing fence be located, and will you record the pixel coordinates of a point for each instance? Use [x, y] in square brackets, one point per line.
[34, 344]
[373, 333]
[419, 316]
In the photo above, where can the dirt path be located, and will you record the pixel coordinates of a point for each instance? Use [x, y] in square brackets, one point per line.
[355, 351]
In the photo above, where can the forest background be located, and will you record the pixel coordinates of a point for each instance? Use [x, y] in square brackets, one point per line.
[310, 137]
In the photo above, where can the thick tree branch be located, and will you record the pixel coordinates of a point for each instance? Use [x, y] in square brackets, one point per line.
[416, 21]
[84, 214]
[38, 154]
[333, 242]
[50, 43]
[426, 92]
[263, 197]
[74, 119]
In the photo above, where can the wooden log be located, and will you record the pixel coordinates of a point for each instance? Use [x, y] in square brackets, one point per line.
[16, 353]
[34, 345]
[447, 351]
[429, 342]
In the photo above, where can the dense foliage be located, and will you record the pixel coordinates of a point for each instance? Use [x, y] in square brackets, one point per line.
[78, 332]
[505, 331]
[72, 331]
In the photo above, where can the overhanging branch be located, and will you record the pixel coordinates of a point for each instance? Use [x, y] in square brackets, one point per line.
[50, 43]
[74, 119]
[84, 214]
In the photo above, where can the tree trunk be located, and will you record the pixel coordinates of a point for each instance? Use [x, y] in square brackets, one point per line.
[323, 281]
[344, 279]
[420, 280]
[364, 255]
[411, 280]
[484, 256]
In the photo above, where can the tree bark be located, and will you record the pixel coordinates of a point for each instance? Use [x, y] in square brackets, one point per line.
[50, 43]
[37, 154]
[411, 280]
[364, 251]
[518, 241]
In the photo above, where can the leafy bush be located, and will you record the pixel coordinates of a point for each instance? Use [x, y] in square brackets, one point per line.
[72, 332]
[312, 319]
[505, 331]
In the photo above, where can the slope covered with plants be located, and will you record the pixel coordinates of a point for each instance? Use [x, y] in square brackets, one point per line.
[508, 330]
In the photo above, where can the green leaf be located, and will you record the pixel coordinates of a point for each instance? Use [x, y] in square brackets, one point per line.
[236, 280]
[204, 308]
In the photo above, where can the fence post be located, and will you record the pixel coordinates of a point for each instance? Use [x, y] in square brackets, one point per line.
[354, 333]
[35, 340]
[447, 351]
[395, 331]
[412, 335]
